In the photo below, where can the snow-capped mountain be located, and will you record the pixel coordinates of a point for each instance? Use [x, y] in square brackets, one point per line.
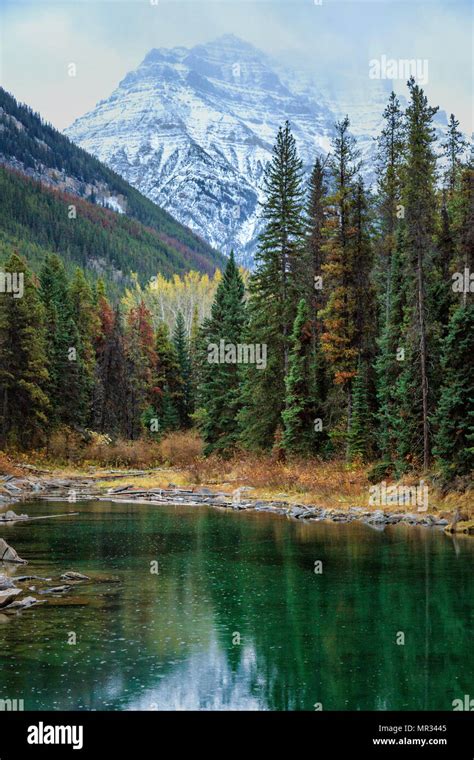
[193, 129]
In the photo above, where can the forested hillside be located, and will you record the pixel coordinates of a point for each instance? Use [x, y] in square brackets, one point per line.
[36, 149]
[36, 220]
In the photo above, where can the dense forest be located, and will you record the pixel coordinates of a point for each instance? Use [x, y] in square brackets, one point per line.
[37, 220]
[360, 310]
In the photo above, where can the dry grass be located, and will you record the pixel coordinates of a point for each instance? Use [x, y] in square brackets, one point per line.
[181, 449]
[7, 466]
[178, 460]
[139, 454]
[305, 481]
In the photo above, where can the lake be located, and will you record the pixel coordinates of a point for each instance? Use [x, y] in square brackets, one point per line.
[196, 608]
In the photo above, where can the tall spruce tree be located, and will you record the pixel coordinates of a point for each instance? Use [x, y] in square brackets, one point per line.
[304, 432]
[454, 148]
[391, 356]
[338, 269]
[348, 316]
[314, 260]
[141, 362]
[181, 344]
[220, 393]
[87, 324]
[169, 383]
[69, 379]
[420, 205]
[389, 169]
[24, 402]
[361, 429]
[454, 441]
[275, 289]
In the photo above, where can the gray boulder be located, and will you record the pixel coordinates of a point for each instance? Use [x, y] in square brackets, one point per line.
[23, 604]
[7, 596]
[73, 576]
[8, 553]
[55, 590]
[10, 515]
[5, 583]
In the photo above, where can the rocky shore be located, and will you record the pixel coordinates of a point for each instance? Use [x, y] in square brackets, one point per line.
[14, 489]
[240, 501]
[13, 586]
[14, 596]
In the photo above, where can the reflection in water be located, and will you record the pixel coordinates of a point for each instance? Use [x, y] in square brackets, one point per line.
[170, 641]
[204, 681]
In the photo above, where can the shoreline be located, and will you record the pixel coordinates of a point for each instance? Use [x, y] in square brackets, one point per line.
[77, 488]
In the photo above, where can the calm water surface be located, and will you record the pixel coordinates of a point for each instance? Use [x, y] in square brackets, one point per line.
[169, 640]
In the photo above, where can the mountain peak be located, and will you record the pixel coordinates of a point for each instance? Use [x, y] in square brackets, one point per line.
[231, 40]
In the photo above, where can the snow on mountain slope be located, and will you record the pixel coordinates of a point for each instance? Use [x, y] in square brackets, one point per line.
[194, 129]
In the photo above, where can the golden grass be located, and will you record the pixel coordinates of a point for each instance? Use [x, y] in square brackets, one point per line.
[8, 466]
[178, 460]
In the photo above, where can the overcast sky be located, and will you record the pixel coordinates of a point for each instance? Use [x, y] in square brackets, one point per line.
[106, 39]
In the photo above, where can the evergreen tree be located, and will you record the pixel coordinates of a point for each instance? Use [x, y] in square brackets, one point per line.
[24, 403]
[420, 204]
[454, 442]
[303, 432]
[360, 433]
[338, 269]
[180, 340]
[453, 148]
[221, 387]
[87, 324]
[389, 362]
[111, 387]
[314, 260]
[275, 289]
[69, 380]
[389, 166]
[141, 363]
[349, 315]
[169, 383]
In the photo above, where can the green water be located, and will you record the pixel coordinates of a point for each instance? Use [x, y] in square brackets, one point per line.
[170, 640]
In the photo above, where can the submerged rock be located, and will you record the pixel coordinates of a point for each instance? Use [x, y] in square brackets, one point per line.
[56, 590]
[10, 516]
[5, 583]
[23, 604]
[8, 554]
[71, 575]
[7, 596]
